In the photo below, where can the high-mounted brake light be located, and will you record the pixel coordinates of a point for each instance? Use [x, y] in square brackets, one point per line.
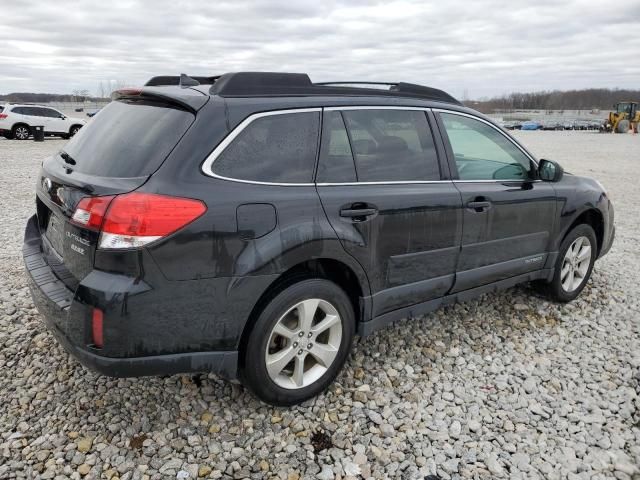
[127, 92]
[135, 219]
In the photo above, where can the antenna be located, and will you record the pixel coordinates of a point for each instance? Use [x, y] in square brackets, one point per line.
[186, 81]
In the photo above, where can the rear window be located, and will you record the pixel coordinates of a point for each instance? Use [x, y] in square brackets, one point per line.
[128, 139]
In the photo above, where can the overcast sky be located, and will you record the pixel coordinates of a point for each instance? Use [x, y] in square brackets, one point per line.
[477, 47]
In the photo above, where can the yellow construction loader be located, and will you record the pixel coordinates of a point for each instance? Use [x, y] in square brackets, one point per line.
[626, 116]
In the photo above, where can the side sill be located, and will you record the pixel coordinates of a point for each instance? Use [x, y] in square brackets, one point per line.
[365, 328]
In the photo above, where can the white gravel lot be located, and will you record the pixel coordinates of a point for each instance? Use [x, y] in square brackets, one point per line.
[507, 386]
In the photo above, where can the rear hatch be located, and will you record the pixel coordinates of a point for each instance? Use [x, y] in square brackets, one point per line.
[113, 154]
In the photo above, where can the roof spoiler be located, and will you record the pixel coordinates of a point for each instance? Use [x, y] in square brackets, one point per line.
[192, 102]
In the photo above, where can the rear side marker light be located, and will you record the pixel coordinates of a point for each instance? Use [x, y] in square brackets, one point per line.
[135, 219]
[97, 317]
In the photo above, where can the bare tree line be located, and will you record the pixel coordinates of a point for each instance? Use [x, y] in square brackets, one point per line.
[587, 99]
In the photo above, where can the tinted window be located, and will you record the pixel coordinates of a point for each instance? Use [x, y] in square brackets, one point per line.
[483, 153]
[24, 110]
[47, 112]
[336, 161]
[128, 139]
[277, 148]
[392, 145]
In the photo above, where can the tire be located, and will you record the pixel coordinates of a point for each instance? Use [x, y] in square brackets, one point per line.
[21, 132]
[73, 130]
[623, 126]
[560, 288]
[278, 335]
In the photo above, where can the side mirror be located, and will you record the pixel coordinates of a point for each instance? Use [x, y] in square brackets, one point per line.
[62, 117]
[550, 171]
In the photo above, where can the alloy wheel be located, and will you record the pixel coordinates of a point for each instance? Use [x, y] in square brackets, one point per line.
[22, 133]
[303, 344]
[575, 264]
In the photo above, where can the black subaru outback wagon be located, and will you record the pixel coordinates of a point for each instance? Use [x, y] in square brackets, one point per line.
[250, 224]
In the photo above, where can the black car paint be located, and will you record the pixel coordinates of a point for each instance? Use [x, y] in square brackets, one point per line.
[183, 304]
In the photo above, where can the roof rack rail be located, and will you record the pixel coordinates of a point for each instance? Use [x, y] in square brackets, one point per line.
[254, 84]
[403, 88]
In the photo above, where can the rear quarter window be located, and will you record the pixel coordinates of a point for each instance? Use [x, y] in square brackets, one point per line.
[128, 139]
[278, 148]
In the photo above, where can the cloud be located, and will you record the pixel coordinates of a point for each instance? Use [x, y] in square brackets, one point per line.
[485, 47]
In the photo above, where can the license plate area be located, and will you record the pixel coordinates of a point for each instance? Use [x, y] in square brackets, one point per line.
[54, 233]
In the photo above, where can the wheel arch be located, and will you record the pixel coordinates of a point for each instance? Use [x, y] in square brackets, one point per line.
[594, 218]
[325, 268]
[18, 124]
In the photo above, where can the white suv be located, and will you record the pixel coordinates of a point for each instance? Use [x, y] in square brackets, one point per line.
[16, 121]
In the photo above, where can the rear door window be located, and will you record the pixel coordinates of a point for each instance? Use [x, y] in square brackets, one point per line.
[278, 148]
[128, 138]
[392, 145]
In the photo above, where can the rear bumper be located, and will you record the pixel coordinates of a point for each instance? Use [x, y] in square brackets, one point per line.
[67, 315]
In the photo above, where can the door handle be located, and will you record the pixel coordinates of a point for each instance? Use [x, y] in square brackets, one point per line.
[479, 207]
[358, 214]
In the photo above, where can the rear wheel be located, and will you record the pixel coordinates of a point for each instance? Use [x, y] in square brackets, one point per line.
[574, 264]
[299, 342]
[21, 132]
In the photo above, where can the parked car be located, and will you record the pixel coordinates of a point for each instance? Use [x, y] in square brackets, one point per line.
[530, 126]
[17, 121]
[252, 223]
[92, 113]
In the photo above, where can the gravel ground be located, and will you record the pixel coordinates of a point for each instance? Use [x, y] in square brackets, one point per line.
[507, 386]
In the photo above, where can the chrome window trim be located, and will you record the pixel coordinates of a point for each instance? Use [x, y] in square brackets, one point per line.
[390, 182]
[373, 107]
[207, 165]
[497, 129]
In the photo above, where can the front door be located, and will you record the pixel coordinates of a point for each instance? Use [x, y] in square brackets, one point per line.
[380, 184]
[508, 214]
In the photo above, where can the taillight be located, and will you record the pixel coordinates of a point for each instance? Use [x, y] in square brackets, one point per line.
[90, 212]
[137, 219]
[3, 116]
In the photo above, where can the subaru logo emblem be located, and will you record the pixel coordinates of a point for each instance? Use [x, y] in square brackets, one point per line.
[46, 184]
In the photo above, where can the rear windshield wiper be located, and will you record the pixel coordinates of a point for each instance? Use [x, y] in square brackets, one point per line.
[67, 158]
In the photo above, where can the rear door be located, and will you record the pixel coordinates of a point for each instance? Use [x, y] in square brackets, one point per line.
[508, 214]
[389, 199]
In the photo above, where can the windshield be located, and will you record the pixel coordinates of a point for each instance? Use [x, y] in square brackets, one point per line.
[127, 139]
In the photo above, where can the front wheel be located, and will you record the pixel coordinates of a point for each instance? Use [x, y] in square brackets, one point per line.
[73, 130]
[574, 265]
[299, 342]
